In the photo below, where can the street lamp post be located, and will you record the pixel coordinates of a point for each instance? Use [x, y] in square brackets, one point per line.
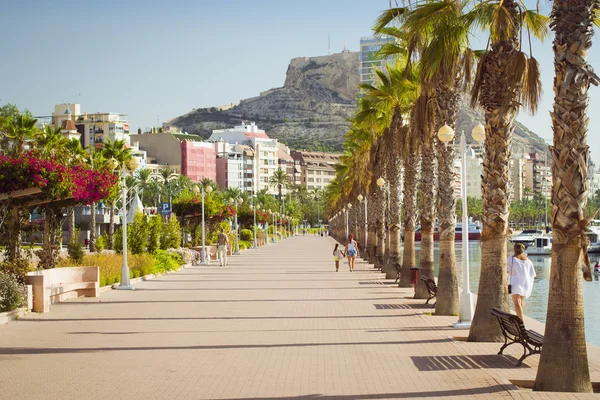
[254, 245]
[125, 282]
[364, 243]
[446, 134]
[348, 219]
[237, 228]
[204, 260]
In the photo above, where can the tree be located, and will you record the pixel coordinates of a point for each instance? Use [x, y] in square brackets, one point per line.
[563, 363]
[115, 151]
[75, 153]
[279, 180]
[19, 130]
[505, 79]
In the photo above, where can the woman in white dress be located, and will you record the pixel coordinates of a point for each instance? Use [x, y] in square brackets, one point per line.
[520, 278]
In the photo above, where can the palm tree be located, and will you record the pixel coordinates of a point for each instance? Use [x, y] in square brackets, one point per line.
[167, 175]
[50, 142]
[279, 180]
[505, 79]
[563, 363]
[19, 130]
[114, 150]
[144, 179]
[75, 153]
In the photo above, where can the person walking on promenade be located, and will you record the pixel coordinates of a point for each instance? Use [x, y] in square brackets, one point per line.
[520, 278]
[337, 256]
[223, 242]
[351, 251]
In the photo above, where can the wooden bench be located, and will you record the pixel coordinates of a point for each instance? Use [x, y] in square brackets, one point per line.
[514, 332]
[431, 289]
[58, 284]
[398, 272]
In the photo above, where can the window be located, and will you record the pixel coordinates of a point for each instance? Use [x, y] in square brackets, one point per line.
[318, 172]
[311, 179]
[318, 180]
[310, 187]
[266, 162]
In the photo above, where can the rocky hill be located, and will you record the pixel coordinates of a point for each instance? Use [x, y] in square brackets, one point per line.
[312, 108]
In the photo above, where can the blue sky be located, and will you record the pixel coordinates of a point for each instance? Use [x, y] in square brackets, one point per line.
[155, 60]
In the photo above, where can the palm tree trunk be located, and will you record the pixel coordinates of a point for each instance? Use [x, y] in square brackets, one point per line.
[447, 285]
[111, 228]
[394, 175]
[92, 227]
[500, 103]
[427, 214]
[411, 164]
[372, 239]
[563, 364]
[71, 226]
[380, 206]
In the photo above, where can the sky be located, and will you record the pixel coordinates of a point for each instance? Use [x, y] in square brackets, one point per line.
[156, 60]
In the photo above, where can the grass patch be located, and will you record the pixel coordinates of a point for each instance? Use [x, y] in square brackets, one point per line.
[139, 264]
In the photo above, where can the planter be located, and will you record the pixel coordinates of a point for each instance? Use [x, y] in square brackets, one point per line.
[8, 316]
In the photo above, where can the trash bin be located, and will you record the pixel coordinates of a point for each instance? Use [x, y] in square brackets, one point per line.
[414, 276]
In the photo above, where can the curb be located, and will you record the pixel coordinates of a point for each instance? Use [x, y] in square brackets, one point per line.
[142, 278]
[7, 316]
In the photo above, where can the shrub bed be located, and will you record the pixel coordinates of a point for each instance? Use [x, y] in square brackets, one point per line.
[139, 264]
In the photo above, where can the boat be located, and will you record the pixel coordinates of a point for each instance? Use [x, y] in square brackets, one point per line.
[527, 237]
[474, 232]
[541, 246]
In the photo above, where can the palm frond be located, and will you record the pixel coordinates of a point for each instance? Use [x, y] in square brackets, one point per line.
[537, 23]
[387, 16]
[391, 49]
[532, 86]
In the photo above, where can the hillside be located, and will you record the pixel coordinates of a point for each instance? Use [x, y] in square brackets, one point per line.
[310, 111]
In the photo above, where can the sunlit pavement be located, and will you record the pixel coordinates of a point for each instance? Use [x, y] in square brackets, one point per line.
[278, 322]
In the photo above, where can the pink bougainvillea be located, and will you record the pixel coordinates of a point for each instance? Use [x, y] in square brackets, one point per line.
[56, 181]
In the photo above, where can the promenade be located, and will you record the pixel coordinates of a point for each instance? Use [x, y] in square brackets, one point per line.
[277, 323]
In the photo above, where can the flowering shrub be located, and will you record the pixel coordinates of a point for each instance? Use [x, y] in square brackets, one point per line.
[12, 293]
[55, 180]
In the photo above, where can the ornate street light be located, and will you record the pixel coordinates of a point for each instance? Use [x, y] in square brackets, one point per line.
[446, 134]
[204, 259]
[133, 165]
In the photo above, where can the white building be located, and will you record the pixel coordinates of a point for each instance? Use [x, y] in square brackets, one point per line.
[230, 166]
[474, 171]
[369, 60]
[94, 128]
[265, 158]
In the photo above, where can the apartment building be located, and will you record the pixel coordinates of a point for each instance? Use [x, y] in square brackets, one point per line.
[180, 151]
[538, 174]
[317, 168]
[230, 166]
[369, 60]
[264, 154]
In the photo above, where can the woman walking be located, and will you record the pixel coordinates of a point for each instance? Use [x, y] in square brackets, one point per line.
[520, 278]
[351, 251]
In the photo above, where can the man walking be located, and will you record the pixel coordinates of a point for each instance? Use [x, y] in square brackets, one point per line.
[222, 249]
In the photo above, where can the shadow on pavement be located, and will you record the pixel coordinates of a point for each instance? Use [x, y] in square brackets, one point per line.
[67, 350]
[445, 363]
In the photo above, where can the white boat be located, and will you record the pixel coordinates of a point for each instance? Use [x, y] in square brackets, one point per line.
[541, 246]
[527, 237]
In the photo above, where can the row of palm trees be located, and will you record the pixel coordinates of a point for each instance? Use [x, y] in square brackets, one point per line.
[393, 136]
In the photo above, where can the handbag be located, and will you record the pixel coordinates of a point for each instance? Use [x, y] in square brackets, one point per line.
[512, 265]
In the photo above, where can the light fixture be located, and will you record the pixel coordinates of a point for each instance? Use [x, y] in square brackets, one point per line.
[349, 206]
[208, 189]
[380, 182]
[446, 134]
[360, 197]
[134, 163]
[478, 133]
[196, 189]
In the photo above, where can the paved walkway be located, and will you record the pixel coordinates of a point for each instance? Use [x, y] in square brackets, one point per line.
[278, 322]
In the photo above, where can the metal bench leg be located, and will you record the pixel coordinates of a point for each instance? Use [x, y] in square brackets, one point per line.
[525, 355]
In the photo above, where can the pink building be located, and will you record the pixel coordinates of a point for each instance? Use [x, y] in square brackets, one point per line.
[198, 160]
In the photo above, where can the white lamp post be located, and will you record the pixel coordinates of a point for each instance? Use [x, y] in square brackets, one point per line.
[203, 191]
[360, 199]
[125, 283]
[446, 134]
[254, 245]
[237, 228]
[348, 218]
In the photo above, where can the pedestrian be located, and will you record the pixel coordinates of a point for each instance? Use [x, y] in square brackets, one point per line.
[520, 278]
[597, 268]
[351, 251]
[223, 242]
[337, 256]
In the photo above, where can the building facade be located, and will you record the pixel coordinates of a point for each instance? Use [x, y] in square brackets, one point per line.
[369, 61]
[317, 168]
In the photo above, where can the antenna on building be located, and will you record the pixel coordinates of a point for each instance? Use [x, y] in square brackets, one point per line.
[71, 99]
[328, 43]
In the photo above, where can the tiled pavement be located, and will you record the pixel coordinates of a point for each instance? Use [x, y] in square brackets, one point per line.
[278, 322]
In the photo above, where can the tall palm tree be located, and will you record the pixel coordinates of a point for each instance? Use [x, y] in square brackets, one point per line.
[114, 150]
[50, 142]
[144, 179]
[506, 78]
[279, 180]
[563, 363]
